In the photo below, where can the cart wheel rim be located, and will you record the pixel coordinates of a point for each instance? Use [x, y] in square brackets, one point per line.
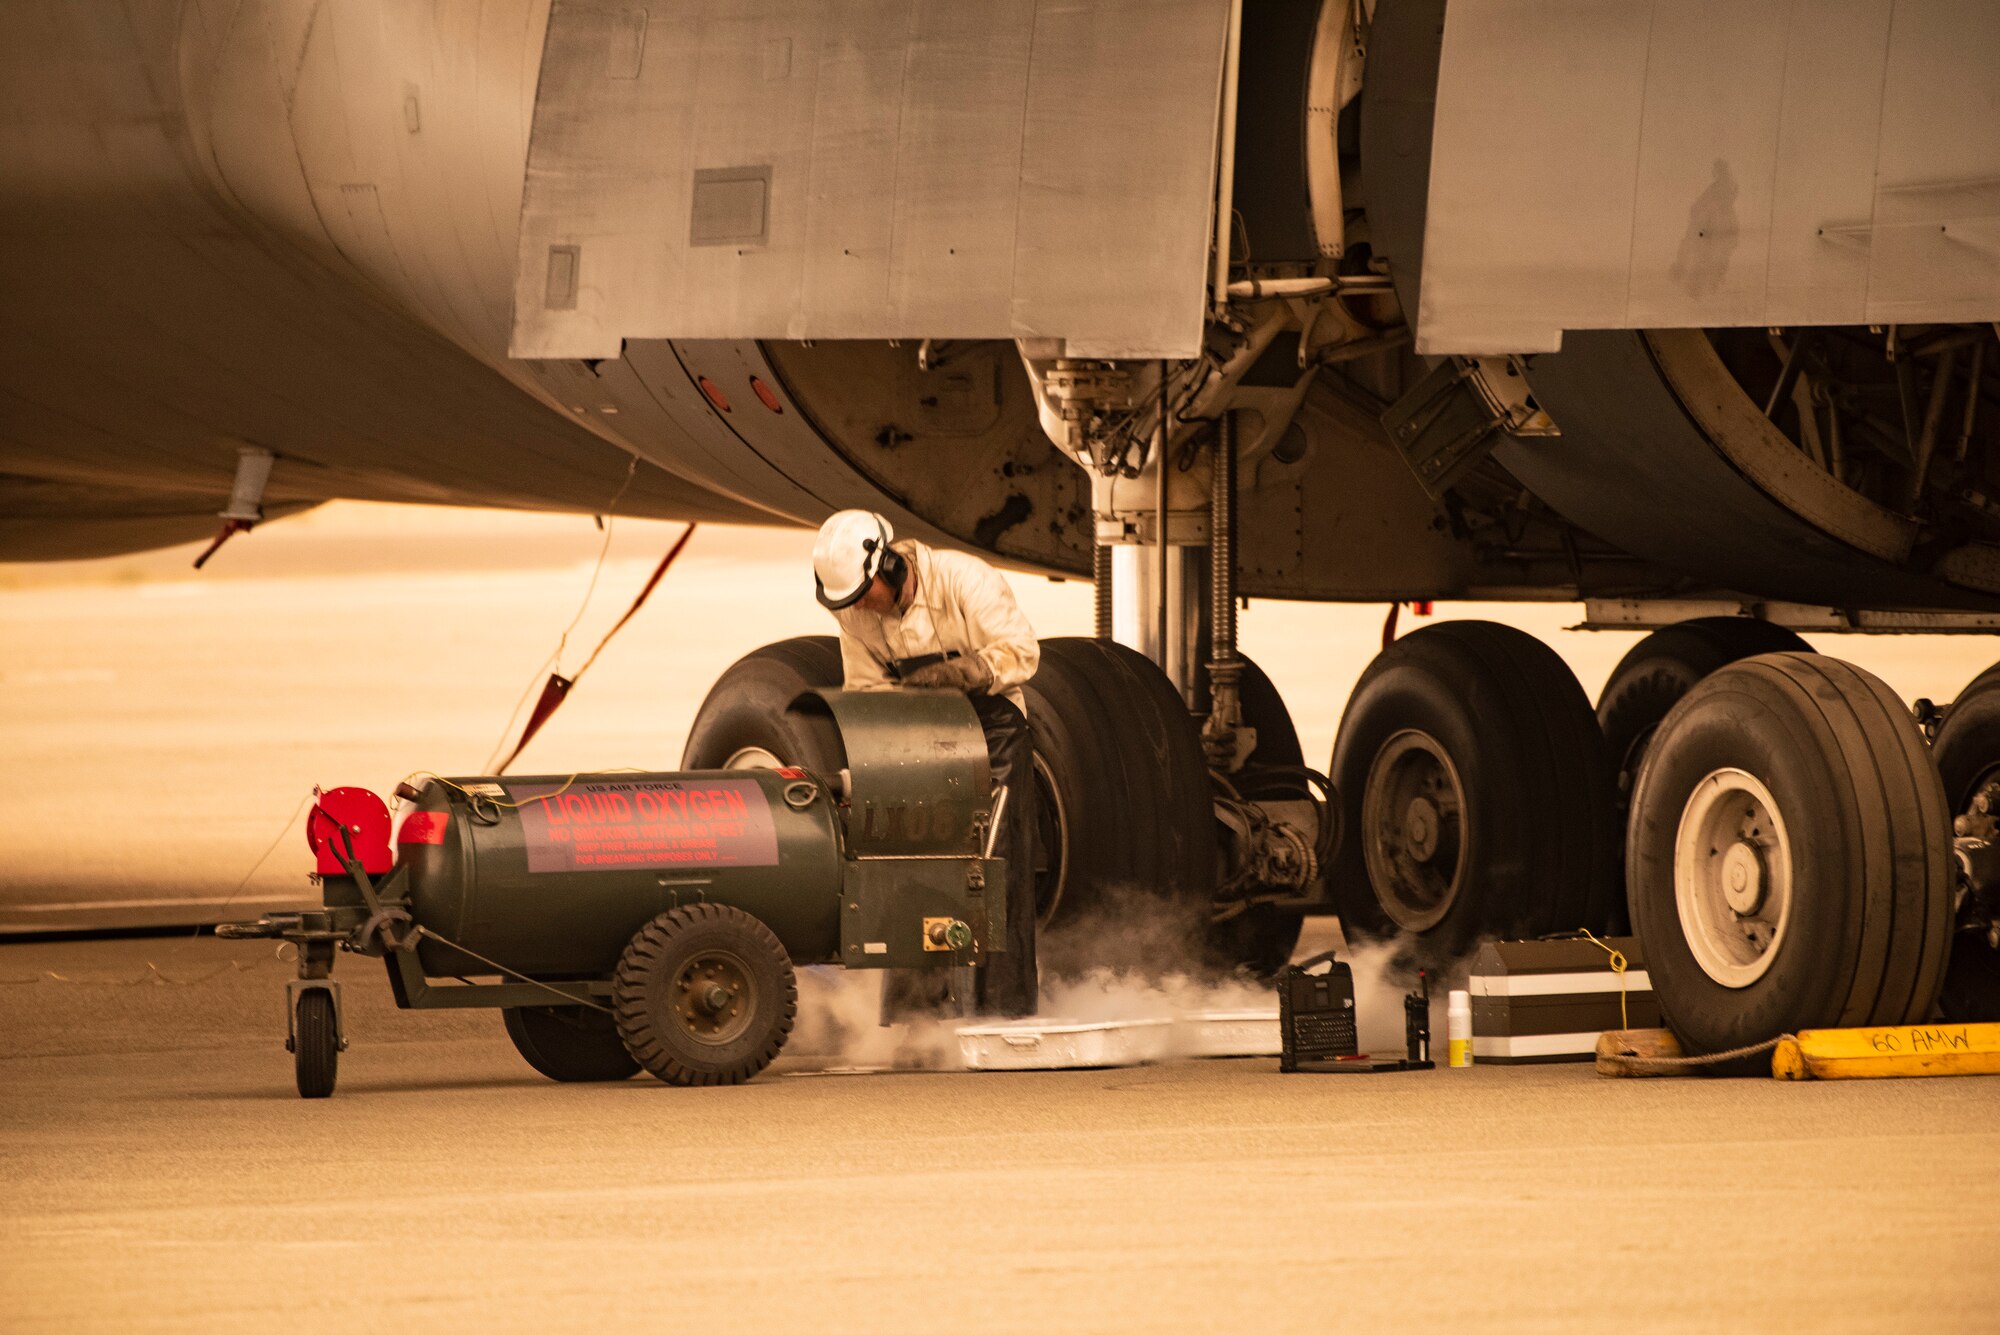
[714, 997]
[1413, 829]
[753, 757]
[1733, 877]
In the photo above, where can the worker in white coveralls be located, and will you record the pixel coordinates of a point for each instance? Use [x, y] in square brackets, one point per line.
[915, 617]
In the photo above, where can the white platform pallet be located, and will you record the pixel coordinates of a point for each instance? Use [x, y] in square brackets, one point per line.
[1238, 1033]
[1044, 1045]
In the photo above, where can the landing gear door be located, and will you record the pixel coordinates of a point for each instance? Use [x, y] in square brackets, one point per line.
[786, 169]
[1753, 163]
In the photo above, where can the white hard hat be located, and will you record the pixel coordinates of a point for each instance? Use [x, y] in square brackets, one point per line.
[847, 556]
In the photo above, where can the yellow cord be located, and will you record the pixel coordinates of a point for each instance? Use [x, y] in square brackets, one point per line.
[567, 784]
[1618, 966]
[153, 974]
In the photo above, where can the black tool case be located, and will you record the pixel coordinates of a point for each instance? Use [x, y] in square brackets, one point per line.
[1316, 1012]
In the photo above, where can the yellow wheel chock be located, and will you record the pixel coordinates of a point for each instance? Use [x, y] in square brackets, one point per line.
[1900, 1050]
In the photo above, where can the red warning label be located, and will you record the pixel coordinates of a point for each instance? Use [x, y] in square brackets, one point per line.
[424, 827]
[617, 826]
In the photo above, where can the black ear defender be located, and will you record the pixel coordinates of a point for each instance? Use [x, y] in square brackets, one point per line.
[895, 571]
[884, 560]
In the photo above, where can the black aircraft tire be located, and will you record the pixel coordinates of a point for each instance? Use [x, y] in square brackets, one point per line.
[1657, 671]
[1856, 842]
[1653, 676]
[1260, 940]
[669, 1026]
[315, 1044]
[1483, 717]
[1967, 752]
[569, 1043]
[746, 711]
[1971, 992]
[1126, 825]
[1967, 749]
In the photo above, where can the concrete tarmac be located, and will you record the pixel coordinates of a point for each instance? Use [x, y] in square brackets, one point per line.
[157, 1172]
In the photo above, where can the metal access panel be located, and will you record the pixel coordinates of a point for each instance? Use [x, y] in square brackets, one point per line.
[1624, 164]
[889, 904]
[721, 169]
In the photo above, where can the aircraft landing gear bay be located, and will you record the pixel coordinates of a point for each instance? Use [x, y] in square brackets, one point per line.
[1789, 857]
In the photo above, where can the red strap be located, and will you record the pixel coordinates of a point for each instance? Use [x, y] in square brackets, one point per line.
[554, 692]
[230, 529]
[557, 688]
[673, 553]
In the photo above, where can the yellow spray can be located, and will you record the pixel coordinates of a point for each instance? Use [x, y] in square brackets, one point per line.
[1458, 1027]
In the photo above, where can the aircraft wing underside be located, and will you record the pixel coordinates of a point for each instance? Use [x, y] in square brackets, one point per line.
[935, 258]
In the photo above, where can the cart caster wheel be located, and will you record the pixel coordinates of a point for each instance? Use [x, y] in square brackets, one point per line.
[315, 1044]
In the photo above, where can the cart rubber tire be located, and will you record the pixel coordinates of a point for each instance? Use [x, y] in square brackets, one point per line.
[645, 991]
[748, 709]
[315, 1044]
[1657, 671]
[569, 1043]
[1860, 816]
[1967, 752]
[1125, 824]
[1536, 831]
[1260, 941]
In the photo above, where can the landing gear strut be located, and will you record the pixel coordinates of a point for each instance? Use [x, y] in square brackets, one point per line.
[1166, 586]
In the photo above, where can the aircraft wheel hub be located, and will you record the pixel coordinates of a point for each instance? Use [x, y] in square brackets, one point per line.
[1420, 829]
[1742, 879]
[1412, 829]
[1733, 877]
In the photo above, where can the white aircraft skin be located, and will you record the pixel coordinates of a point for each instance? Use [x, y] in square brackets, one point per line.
[171, 293]
[294, 226]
